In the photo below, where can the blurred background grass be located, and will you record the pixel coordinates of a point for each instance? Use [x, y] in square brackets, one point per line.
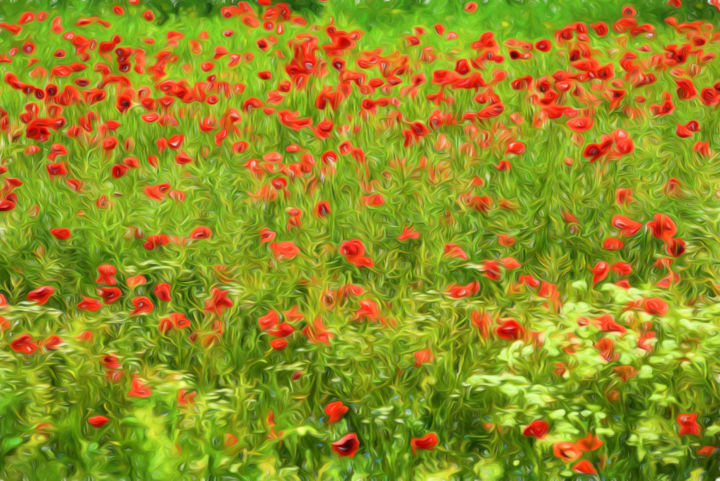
[525, 16]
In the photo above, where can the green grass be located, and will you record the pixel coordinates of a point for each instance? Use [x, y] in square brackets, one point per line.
[478, 393]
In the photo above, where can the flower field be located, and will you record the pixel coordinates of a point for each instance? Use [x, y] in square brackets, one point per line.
[376, 240]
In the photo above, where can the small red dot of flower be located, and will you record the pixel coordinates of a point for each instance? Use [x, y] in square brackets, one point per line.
[98, 421]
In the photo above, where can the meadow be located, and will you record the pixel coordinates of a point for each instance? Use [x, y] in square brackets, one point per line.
[376, 240]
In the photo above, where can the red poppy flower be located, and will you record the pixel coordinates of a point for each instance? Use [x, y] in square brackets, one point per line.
[600, 271]
[40, 295]
[138, 388]
[655, 306]
[134, 281]
[346, 446]
[335, 411]
[509, 263]
[703, 148]
[322, 209]
[408, 233]
[706, 450]
[682, 131]
[284, 250]
[143, 305]
[537, 429]
[569, 218]
[176, 320]
[580, 124]
[423, 357]
[110, 294]
[516, 148]
[56, 170]
[479, 203]
[506, 240]
[201, 233]
[98, 421]
[589, 443]
[269, 320]
[688, 424]
[427, 442]
[218, 302]
[293, 315]
[623, 196]
[663, 262]
[662, 227]
[368, 310]
[607, 324]
[568, 452]
[482, 321]
[266, 235]
[613, 244]
[155, 241]
[179, 320]
[61, 233]
[456, 291]
[162, 291]
[675, 247]
[352, 248]
[584, 466]
[668, 280]
[510, 330]
[353, 251]
[543, 45]
[622, 268]
[109, 143]
[685, 89]
[529, 280]
[606, 347]
[279, 344]
[626, 372]
[111, 362]
[89, 304]
[454, 250]
[184, 398]
[230, 440]
[316, 332]
[672, 187]
[282, 330]
[627, 226]
[24, 344]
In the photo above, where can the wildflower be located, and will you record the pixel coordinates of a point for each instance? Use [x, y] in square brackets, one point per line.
[346, 446]
[537, 429]
[423, 357]
[335, 410]
[427, 442]
[24, 344]
[353, 251]
[284, 250]
[688, 424]
[510, 330]
[567, 452]
[40, 295]
[584, 466]
[138, 388]
[98, 421]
